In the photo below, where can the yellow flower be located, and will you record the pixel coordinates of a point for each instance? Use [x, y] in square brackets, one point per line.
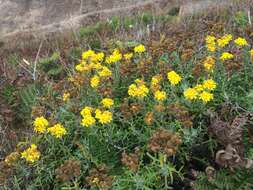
[57, 130]
[226, 56]
[40, 125]
[86, 111]
[209, 63]
[107, 102]
[114, 57]
[173, 77]
[211, 47]
[224, 40]
[97, 57]
[155, 80]
[88, 54]
[105, 72]
[209, 84]
[66, 96]
[31, 154]
[251, 53]
[160, 95]
[140, 90]
[199, 88]
[206, 96]
[210, 43]
[104, 117]
[241, 41]
[139, 49]
[88, 121]
[94, 82]
[82, 67]
[210, 39]
[190, 93]
[128, 56]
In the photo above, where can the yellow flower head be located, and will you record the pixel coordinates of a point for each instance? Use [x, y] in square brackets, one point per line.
[160, 95]
[88, 121]
[224, 40]
[128, 56]
[97, 57]
[86, 111]
[94, 82]
[190, 93]
[57, 130]
[88, 54]
[139, 49]
[173, 77]
[114, 57]
[82, 67]
[210, 39]
[155, 80]
[105, 72]
[40, 125]
[209, 63]
[206, 96]
[107, 102]
[241, 41]
[210, 43]
[104, 117]
[31, 154]
[140, 90]
[199, 87]
[251, 53]
[209, 84]
[226, 56]
[66, 96]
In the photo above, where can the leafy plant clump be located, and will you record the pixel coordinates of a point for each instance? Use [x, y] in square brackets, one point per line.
[126, 118]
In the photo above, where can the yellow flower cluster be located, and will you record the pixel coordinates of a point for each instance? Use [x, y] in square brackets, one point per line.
[114, 57]
[160, 95]
[154, 85]
[104, 117]
[88, 120]
[226, 56]
[210, 43]
[198, 92]
[94, 82]
[224, 40]
[173, 77]
[40, 125]
[57, 130]
[107, 102]
[128, 56]
[138, 90]
[105, 72]
[31, 154]
[241, 41]
[209, 63]
[139, 49]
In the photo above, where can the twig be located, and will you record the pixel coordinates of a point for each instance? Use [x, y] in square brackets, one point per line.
[35, 62]
[249, 17]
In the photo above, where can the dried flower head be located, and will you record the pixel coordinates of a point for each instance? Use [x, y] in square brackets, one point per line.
[131, 160]
[149, 118]
[68, 170]
[164, 141]
[99, 177]
[180, 113]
